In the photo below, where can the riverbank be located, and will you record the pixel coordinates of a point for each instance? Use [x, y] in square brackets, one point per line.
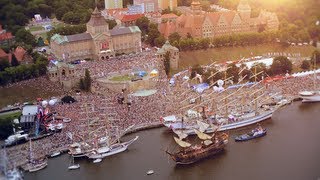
[281, 154]
[222, 54]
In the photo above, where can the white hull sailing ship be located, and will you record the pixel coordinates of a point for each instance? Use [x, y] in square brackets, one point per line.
[113, 149]
[260, 110]
[312, 96]
[35, 165]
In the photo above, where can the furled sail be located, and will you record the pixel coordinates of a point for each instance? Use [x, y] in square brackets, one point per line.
[182, 143]
[202, 135]
[214, 127]
[180, 134]
[202, 126]
[207, 142]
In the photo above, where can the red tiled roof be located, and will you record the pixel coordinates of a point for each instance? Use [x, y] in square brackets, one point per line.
[131, 17]
[229, 15]
[167, 28]
[19, 53]
[3, 54]
[214, 18]
[167, 16]
[6, 36]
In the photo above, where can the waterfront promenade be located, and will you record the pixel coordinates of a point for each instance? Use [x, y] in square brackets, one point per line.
[105, 112]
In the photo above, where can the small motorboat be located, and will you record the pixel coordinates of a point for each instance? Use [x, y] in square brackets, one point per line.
[72, 165]
[97, 160]
[55, 154]
[150, 172]
[251, 135]
[75, 166]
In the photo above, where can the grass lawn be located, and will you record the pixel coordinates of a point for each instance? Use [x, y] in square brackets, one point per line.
[35, 28]
[24, 93]
[121, 78]
[14, 115]
[222, 54]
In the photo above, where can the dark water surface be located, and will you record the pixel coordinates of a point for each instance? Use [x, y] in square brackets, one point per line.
[290, 151]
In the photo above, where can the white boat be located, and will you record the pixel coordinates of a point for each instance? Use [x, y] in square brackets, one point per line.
[16, 138]
[72, 165]
[168, 121]
[113, 149]
[55, 154]
[97, 160]
[310, 96]
[34, 165]
[150, 172]
[245, 122]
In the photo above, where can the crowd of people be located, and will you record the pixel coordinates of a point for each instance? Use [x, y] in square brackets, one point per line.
[101, 111]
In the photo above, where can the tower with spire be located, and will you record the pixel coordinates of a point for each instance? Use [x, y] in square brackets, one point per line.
[244, 9]
[97, 23]
[196, 7]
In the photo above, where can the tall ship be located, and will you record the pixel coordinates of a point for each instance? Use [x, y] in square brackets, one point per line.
[105, 147]
[35, 164]
[209, 146]
[243, 115]
[312, 95]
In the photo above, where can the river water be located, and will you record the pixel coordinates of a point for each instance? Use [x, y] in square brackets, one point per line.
[290, 150]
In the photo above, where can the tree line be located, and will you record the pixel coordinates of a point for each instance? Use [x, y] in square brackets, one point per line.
[15, 72]
[241, 39]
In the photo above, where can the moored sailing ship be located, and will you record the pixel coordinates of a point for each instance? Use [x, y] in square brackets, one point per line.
[210, 146]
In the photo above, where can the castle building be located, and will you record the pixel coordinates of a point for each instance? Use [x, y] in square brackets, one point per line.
[98, 42]
[173, 52]
[200, 24]
[64, 74]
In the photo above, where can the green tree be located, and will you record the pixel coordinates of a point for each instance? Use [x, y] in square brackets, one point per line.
[87, 80]
[233, 71]
[60, 12]
[6, 127]
[40, 42]
[72, 18]
[281, 65]
[81, 84]
[112, 23]
[45, 10]
[14, 61]
[305, 65]
[159, 41]
[166, 63]
[143, 24]
[174, 37]
[196, 69]
[153, 34]
[260, 69]
[316, 54]
[26, 37]
[4, 63]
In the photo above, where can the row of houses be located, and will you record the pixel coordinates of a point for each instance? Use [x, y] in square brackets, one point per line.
[201, 24]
